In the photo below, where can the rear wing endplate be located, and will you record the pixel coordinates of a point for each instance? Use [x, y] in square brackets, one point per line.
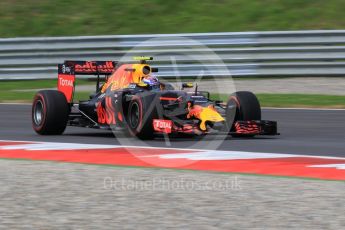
[68, 70]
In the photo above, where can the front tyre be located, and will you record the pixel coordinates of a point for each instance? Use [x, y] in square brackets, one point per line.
[140, 115]
[242, 106]
[50, 112]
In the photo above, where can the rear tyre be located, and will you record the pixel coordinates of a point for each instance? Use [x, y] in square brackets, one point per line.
[140, 115]
[50, 112]
[242, 106]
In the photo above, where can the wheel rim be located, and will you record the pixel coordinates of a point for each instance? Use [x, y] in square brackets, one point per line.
[38, 112]
[134, 116]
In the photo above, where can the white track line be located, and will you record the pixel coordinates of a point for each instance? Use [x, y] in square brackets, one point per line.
[202, 151]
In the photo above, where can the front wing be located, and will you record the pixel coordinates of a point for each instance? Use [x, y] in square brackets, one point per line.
[240, 128]
[255, 128]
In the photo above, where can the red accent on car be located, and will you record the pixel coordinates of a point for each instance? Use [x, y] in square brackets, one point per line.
[100, 113]
[162, 126]
[119, 116]
[66, 85]
[168, 98]
[236, 101]
[110, 111]
[247, 127]
[94, 67]
[106, 115]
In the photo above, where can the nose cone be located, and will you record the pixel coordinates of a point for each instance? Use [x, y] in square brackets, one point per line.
[209, 115]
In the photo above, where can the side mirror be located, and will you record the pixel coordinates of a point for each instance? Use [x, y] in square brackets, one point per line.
[187, 85]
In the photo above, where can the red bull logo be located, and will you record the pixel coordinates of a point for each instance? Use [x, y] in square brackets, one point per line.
[92, 67]
[204, 114]
[194, 111]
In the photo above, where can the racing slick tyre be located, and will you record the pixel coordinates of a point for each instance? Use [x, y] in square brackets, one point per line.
[141, 112]
[50, 112]
[242, 106]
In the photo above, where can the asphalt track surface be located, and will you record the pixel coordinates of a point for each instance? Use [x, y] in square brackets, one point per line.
[52, 195]
[307, 132]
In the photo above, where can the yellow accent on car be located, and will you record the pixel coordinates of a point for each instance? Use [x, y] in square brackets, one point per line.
[142, 58]
[142, 84]
[209, 114]
[204, 114]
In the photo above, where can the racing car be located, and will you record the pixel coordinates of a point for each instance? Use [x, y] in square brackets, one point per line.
[129, 96]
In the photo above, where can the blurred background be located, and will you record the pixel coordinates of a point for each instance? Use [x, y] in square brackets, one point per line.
[86, 17]
[278, 66]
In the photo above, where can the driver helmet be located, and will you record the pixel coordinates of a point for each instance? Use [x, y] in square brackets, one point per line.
[151, 80]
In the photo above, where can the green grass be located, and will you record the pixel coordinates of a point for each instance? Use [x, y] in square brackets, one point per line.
[24, 91]
[88, 17]
[296, 100]
[302, 100]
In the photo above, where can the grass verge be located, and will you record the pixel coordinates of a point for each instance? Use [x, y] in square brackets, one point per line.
[23, 91]
[296, 100]
[87, 17]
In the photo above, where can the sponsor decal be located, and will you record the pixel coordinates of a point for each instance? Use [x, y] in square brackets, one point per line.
[66, 85]
[119, 82]
[65, 82]
[92, 67]
[106, 115]
[66, 69]
[163, 126]
[194, 111]
[204, 114]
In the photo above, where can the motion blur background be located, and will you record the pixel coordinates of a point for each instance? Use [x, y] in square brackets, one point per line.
[41, 18]
[89, 17]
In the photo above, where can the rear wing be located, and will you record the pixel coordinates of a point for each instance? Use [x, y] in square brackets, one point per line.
[68, 70]
[87, 67]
